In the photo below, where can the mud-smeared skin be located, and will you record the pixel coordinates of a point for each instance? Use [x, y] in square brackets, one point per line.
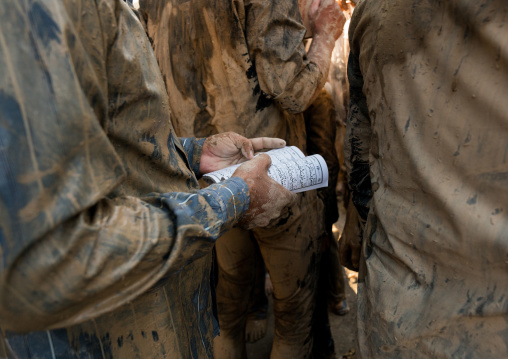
[269, 200]
[428, 160]
[327, 22]
[229, 148]
[105, 236]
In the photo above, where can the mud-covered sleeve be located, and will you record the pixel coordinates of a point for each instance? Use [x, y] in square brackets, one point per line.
[72, 249]
[109, 253]
[193, 148]
[275, 32]
[358, 132]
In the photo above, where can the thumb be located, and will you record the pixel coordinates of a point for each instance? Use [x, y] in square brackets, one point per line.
[243, 144]
[247, 149]
[264, 161]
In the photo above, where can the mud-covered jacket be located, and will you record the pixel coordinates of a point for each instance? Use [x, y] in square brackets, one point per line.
[427, 156]
[233, 66]
[105, 237]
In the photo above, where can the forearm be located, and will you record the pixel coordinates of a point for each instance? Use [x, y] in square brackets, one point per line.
[320, 53]
[301, 92]
[327, 22]
[275, 33]
[113, 252]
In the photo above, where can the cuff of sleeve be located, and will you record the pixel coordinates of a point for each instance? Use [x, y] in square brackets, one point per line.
[231, 201]
[193, 147]
[298, 93]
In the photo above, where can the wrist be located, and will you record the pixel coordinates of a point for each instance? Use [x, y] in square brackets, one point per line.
[320, 52]
[193, 148]
[232, 200]
[324, 39]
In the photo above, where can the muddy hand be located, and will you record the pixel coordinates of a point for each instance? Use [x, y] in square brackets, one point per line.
[326, 18]
[268, 199]
[229, 148]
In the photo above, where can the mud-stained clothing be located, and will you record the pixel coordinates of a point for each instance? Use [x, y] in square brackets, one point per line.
[233, 66]
[105, 236]
[321, 131]
[427, 153]
[241, 66]
[291, 253]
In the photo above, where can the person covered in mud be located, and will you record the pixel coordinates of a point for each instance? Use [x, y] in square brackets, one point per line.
[105, 237]
[427, 157]
[242, 66]
[331, 291]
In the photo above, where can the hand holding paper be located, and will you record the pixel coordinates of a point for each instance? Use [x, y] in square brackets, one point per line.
[229, 148]
[290, 168]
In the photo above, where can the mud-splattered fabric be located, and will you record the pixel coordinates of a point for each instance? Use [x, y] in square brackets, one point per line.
[321, 131]
[428, 161]
[233, 66]
[291, 253]
[241, 66]
[105, 238]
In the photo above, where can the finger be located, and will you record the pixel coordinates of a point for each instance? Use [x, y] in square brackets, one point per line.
[262, 160]
[261, 143]
[247, 149]
[242, 143]
[290, 197]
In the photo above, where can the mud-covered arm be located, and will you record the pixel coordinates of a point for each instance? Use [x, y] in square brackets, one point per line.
[109, 253]
[275, 32]
[358, 135]
[72, 246]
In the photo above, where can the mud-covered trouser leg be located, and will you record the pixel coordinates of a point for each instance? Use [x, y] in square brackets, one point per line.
[335, 273]
[258, 302]
[324, 347]
[236, 261]
[291, 252]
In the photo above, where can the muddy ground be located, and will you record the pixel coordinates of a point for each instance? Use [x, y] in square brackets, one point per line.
[343, 328]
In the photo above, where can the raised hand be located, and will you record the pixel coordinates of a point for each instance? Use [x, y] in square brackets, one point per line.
[326, 18]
